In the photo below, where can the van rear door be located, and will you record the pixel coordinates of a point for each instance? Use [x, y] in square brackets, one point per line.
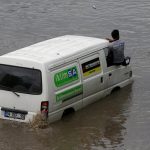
[20, 90]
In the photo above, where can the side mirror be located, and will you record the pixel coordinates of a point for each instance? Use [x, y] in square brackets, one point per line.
[126, 61]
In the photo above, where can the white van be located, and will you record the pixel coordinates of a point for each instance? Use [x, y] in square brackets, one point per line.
[57, 75]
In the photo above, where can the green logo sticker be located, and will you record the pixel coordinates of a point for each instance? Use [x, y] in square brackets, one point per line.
[68, 94]
[66, 76]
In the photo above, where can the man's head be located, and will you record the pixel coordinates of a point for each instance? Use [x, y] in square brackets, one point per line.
[115, 34]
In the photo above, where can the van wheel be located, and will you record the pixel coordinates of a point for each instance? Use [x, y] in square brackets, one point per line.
[115, 89]
[68, 111]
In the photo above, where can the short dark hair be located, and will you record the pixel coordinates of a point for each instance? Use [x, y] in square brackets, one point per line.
[115, 34]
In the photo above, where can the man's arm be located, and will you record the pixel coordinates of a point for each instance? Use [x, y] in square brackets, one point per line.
[110, 40]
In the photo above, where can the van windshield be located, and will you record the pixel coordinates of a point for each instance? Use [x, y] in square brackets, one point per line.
[19, 79]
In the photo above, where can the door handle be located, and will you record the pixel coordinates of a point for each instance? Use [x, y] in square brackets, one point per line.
[110, 74]
[101, 79]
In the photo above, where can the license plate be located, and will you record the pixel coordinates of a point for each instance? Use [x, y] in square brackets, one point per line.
[14, 115]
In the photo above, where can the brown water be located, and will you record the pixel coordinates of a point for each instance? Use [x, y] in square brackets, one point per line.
[120, 121]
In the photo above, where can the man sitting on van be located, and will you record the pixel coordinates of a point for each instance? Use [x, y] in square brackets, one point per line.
[116, 49]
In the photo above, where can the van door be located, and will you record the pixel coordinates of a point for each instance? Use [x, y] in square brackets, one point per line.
[20, 91]
[92, 76]
[67, 85]
[114, 73]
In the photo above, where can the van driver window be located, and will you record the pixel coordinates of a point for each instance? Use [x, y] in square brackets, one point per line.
[108, 57]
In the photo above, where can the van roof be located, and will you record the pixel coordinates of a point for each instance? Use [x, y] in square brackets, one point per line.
[57, 48]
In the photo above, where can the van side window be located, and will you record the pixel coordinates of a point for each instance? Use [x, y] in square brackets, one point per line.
[91, 67]
[108, 56]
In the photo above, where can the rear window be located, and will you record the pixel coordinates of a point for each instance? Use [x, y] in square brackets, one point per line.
[19, 79]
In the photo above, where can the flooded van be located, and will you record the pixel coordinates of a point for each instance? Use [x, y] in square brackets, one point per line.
[57, 75]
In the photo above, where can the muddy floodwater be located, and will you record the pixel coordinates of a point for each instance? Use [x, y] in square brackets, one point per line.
[121, 121]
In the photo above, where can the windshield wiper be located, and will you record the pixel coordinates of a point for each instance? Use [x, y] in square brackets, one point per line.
[16, 94]
[2, 87]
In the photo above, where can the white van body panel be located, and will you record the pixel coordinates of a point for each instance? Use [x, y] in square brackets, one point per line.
[60, 101]
[74, 73]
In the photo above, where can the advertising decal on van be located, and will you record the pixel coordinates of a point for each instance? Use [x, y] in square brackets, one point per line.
[66, 76]
[92, 66]
[66, 95]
